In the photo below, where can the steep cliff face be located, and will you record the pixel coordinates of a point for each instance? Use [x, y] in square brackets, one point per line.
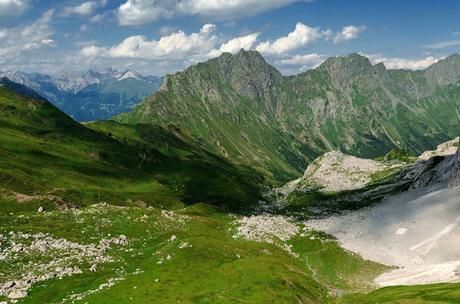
[439, 170]
[455, 174]
[247, 111]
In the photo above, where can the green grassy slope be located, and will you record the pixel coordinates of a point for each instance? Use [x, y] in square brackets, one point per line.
[423, 294]
[240, 126]
[206, 265]
[44, 152]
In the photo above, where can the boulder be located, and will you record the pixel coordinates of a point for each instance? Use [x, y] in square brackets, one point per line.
[17, 294]
[121, 240]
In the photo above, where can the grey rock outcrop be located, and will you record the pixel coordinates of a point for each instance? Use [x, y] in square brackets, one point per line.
[455, 174]
[438, 170]
[65, 258]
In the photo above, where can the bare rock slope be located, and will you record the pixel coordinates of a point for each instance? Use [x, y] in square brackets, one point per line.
[455, 174]
[441, 170]
[444, 149]
[417, 231]
[336, 172]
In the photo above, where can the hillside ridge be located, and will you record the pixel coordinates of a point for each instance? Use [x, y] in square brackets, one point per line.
[254, 115]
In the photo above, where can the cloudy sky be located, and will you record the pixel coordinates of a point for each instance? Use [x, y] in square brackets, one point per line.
[162, 36]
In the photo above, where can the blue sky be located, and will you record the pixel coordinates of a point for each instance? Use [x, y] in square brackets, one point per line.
[162, 36]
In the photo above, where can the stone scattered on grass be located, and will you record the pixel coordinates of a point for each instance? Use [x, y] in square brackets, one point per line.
[271, 229]
[65, 257]
[266, 228]
[80, 296]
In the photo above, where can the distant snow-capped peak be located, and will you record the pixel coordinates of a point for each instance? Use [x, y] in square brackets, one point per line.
[72, 81]
[20, 78]
[130, 74]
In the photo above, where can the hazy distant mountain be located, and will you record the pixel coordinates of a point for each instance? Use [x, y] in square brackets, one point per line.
[19, 88]
[90, 95]
[255, 115]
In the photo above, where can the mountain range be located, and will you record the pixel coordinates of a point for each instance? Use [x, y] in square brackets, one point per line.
[253, 115]
[90, 95]
[177, 200]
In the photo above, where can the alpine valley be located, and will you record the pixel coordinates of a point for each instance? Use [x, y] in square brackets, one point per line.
[90, 95]
[232, 184]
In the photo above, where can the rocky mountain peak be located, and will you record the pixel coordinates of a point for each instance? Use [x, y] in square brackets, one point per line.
[344, 69]
[250, 55]
[353, 61]
[130, 74]
[449, 60]
[246, 71]
[247, 61]
[249, 74]
[445, 71]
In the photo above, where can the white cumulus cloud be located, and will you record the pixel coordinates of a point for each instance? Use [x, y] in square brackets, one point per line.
[17, 40]
[313, 58]
[176, 49]
[403, 63]
[301, 36]
[235, 44]
[243, 42]
[299, 63]
[13, 7]
[137, 12]
[230, 8]
[176, 46]
[3, 33]
[348, 33]
[84, 9]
